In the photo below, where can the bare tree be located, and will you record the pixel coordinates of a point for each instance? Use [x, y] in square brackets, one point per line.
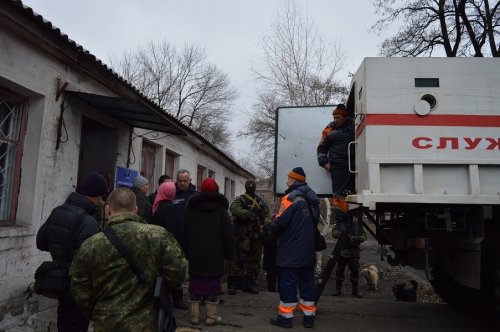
[299, 69]
[482, 23]
[184, 84]
[459, 27]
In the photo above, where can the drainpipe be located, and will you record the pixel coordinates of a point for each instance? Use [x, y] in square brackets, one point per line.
[59, 125]
[129, 145]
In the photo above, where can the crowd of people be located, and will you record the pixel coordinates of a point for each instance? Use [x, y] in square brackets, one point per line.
[178, 230]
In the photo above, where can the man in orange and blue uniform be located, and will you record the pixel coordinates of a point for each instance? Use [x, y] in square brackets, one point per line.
[295, 258]
[334, 156]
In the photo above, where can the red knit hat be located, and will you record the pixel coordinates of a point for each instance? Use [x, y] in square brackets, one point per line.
[209, 186]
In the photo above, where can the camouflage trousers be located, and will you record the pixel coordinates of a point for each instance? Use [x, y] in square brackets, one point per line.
[352, 260]
[248, 258]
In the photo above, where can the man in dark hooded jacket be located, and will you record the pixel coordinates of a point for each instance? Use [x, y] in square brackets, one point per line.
[62, 234]
[294, 229]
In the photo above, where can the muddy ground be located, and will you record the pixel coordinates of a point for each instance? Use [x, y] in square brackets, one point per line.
[388, 276]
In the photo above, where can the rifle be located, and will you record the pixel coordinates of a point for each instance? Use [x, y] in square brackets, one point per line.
[257, 212]
[166, 319]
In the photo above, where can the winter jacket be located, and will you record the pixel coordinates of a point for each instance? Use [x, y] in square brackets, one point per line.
[152, 197]
[166, 217]
[208, 235]
[245, 211]
[294, 227]
[144, 207]
[67, 227]
[107, 290]
[333, 147]
[180, 200]
[357, 235]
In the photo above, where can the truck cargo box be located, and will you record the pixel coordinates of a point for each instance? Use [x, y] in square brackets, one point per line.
[427, 130]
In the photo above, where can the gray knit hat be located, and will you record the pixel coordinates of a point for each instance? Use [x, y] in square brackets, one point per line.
[139, 181]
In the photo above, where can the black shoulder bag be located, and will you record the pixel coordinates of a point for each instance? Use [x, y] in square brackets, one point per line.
[319, 240]
[165, 317]
[51, 277]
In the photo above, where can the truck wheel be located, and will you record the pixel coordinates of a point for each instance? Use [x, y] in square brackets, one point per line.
[495, 294]
[444, 287]
[451, 292]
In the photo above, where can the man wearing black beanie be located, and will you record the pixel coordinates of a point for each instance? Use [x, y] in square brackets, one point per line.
[62, 234]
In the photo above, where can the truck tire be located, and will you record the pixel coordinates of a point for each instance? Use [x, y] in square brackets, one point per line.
[490, 262]
[444, 287]
[495, 294]
[453, 293]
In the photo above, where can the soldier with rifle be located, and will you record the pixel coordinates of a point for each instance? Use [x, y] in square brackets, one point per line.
[250, 213]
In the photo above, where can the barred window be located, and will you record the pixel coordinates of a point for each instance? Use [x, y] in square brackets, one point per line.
[11, 124]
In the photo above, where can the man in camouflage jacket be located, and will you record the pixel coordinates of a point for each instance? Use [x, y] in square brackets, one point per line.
[102, 282]
[250, 213]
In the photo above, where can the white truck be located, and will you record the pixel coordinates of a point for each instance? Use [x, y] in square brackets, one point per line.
[427, 167]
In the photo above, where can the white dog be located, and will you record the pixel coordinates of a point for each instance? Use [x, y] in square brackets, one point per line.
[371, 277]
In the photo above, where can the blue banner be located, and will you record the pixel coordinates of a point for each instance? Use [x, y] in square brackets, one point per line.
[124, 177]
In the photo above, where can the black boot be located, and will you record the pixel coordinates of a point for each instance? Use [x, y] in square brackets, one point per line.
[233, 284]
[355, 290]
[249, 285]
[338, 288]
[178, 298]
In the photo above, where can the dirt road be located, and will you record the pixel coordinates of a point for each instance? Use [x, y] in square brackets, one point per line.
[376, 311]
[251, 312]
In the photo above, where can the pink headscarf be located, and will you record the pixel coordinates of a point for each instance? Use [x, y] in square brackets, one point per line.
[166, 192]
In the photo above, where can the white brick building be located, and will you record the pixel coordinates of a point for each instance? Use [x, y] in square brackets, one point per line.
[63, 114]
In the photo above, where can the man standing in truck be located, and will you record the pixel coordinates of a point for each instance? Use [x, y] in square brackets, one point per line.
[334, 156]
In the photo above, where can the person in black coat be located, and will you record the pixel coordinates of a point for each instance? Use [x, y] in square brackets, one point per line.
[140, 187]
[208, 240]
[164, 210]
[184, 190]
[269, 262]
[164, 214]
[67, 227]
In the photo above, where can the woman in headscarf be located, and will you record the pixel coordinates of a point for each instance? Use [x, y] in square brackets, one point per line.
[163, 209]
[164, 215]
[207, 241]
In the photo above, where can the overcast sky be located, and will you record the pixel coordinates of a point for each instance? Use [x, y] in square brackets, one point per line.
[230, 30]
